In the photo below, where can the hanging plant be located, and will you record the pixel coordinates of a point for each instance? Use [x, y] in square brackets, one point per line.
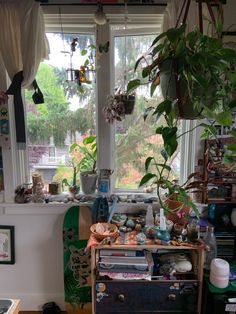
[118, 106]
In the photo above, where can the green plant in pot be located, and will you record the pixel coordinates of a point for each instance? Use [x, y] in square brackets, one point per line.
[73, 183]
[88, 163]
[194, 71]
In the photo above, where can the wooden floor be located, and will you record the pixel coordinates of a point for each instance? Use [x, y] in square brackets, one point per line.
[36, 312]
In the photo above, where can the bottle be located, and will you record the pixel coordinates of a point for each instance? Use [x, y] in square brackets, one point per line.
[211, 247]
[149, 216]
[162, 220]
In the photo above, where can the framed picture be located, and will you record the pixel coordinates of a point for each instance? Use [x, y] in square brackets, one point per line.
[7, 245]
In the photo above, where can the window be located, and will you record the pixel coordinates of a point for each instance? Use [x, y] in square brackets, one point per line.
[68, 115]
[135, 139]
[68, 112]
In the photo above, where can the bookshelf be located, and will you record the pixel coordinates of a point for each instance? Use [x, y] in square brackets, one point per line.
[220, 179]
[151, 295]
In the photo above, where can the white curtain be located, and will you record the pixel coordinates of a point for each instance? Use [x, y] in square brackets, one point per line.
[23, 45]
[23, 42]
[173, 10]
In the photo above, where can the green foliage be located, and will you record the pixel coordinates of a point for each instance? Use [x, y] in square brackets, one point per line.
[202, 71]
[83, 157]
[43, 120]
[89, 154]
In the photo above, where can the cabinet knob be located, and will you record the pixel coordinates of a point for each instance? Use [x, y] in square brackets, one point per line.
[121, 297]
[172, 297]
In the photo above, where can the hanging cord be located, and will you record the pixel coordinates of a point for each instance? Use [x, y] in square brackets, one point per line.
[64, 45]
[125, 70]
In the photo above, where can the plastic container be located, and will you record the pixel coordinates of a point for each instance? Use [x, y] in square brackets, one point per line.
[219, 273]
[220, 267]
[219, 282]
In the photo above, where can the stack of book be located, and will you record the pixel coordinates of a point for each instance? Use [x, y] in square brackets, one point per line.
[125, 264]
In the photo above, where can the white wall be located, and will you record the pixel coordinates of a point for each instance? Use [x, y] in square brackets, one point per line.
[37, 275]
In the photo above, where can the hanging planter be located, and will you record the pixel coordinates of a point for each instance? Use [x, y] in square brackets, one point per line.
[127, 101]
[174, 87]
[118, 106]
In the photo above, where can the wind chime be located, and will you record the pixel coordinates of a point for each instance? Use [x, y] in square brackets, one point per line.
[80, 75]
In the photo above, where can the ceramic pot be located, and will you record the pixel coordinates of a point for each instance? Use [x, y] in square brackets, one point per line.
[233, 217]
[169, 88]
[88, 182]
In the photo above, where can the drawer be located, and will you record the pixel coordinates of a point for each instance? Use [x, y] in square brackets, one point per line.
[145, 297]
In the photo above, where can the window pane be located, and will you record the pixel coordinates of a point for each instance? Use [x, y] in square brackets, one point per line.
[68, 112]
[135, 138]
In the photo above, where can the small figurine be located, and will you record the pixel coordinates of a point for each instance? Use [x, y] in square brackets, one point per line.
[23, 195]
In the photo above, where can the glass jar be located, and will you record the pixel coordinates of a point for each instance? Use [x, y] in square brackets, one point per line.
[211, 247]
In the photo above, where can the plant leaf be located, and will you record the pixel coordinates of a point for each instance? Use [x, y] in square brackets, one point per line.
[147, 163]
[158, 38]
[146, 178]
[224, 118]
[133, 84]
[231, 147]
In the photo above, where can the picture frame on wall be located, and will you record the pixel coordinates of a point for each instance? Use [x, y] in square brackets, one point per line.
[7, 244]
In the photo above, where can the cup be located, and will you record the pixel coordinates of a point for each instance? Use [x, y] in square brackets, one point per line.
[192, 233]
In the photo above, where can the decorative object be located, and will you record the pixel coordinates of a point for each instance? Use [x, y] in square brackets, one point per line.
[99, 16]
[119, 219]
[23, 194]
[54, 188]
[36, 179]
[82, 74]
[202, 67]
[102, 230]
[38, 195]
[7, 245]
[104, 181]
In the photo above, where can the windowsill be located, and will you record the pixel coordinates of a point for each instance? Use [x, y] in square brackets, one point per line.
[60, 208]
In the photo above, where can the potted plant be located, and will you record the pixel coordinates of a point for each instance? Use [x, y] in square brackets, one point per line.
[118, 106]
[87, 165]
[72, 184]
[200, 67]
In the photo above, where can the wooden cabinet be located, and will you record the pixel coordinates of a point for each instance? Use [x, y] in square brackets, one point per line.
[219, 178]
[182, 295]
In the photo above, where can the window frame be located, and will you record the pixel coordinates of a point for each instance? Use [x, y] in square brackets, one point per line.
[15, 162]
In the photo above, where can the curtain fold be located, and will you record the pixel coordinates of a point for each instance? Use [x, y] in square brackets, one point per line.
[23, 45]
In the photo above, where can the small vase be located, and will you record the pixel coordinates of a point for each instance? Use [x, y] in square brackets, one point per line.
[74, 189]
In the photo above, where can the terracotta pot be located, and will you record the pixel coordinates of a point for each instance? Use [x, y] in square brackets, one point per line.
[178, 211]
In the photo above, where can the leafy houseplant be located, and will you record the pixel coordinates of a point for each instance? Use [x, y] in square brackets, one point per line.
[87, 165]
[199, 75]
[83, 161]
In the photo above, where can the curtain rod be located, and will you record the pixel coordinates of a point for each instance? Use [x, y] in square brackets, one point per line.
[105, 4]
[46, 2]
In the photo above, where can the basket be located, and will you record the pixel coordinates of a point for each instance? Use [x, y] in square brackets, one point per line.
[112, 231]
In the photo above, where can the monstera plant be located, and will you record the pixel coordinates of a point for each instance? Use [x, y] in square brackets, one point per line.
[198, 81]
